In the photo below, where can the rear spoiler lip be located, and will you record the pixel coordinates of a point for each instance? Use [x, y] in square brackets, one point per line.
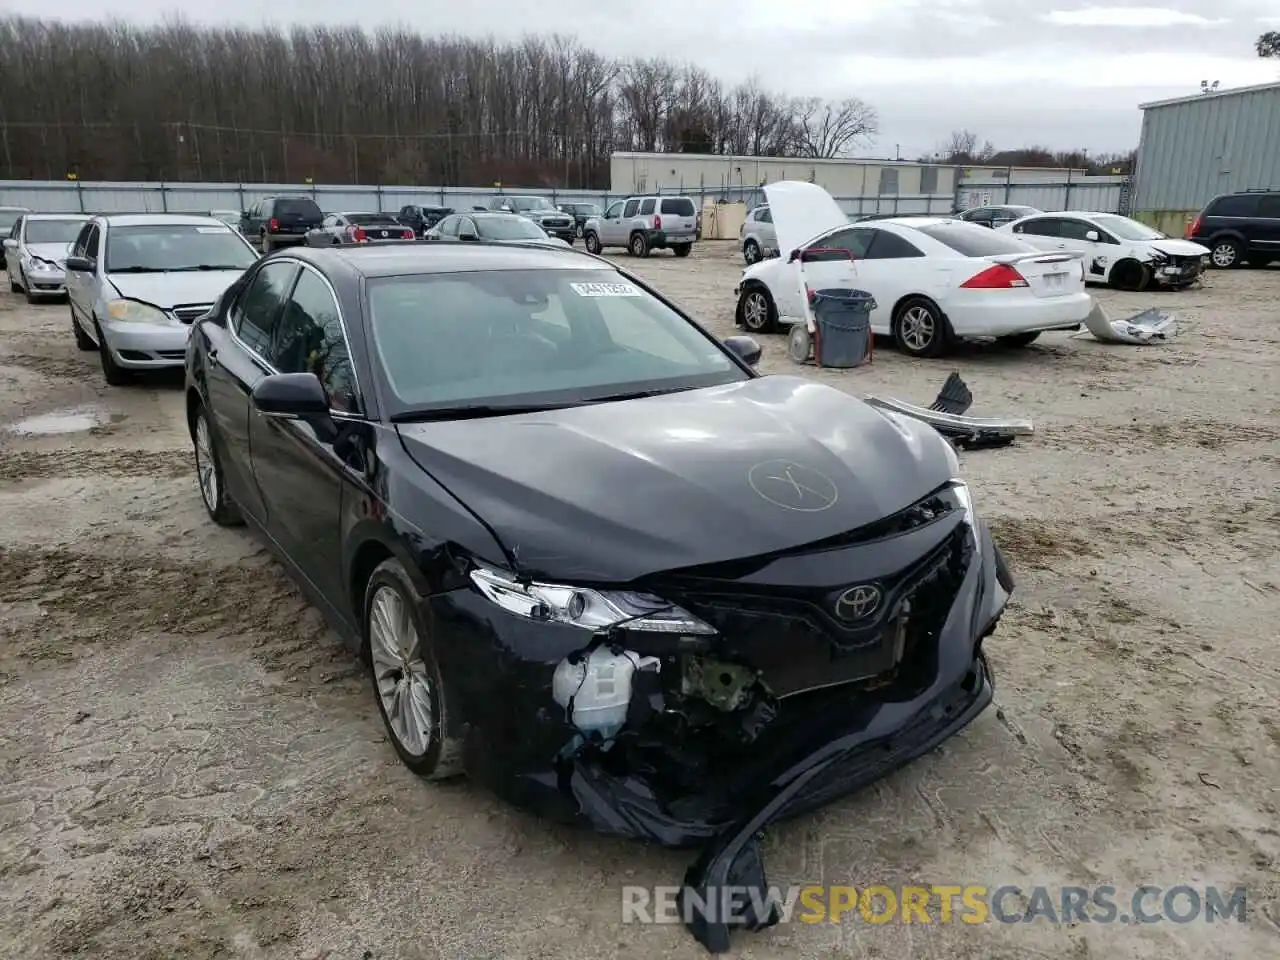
[1038, 256]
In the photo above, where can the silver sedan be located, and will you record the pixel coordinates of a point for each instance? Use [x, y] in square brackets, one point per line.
[36, 253]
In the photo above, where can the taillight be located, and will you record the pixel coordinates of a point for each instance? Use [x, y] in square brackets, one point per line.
[408, 234]
[1194, 228]
[998, 276]
[273, 225]
[358, 234]
[657, 222]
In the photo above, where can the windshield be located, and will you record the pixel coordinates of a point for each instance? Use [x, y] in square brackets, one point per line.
[509, 228]
[522, 204]
[1127, 229]
[533, 336]
[971, 240]
[53, 231]
[162, 247]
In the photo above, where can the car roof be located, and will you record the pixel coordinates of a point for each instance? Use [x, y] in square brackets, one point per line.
[490, 215]
[56, 216]
[918, 220]
[445, 256]
[159, 219]
[19, 209]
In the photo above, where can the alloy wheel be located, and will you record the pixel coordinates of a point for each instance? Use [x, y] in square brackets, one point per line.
[918, 328]
[1224, 255]
[755, 311]
[403, 682]
[206, 471]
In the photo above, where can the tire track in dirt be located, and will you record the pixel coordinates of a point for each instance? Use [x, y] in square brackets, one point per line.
[60, 368]
[1138, 434]
[18, 465]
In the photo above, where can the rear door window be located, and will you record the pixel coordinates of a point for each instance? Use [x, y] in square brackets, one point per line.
[678, 207]
[971, 240]
[1269, 206]
[1234, 206]
[646, 207]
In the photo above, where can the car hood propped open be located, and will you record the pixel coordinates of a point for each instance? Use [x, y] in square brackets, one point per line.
[612, 492]
[801, 211]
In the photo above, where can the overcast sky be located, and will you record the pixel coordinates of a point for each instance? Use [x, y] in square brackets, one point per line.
[1065, 73]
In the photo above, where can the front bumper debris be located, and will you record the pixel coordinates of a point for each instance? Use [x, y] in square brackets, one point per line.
[1142, 329]
[946, 415]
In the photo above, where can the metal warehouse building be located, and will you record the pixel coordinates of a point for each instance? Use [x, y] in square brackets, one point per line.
[1196, 147]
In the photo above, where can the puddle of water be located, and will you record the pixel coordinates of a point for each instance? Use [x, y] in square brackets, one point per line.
[60, 421]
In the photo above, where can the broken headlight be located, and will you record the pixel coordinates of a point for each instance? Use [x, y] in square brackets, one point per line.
[585, 607]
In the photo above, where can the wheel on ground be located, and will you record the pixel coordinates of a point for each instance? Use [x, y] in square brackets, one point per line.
[1130, 275]
[116, 375]
[1226, 253]
[919, 329]
[82, 339]
[1019, 339]
[756, 310]
[683, 249]
[407, 685]
[578, 232]
[213, 490]
[26, 284]
[14, 286]
[592, 240]
[799, 343]
[751, 252]
[266, 244]
[639, 246]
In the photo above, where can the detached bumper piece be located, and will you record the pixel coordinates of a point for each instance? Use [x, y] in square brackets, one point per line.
[947, 415]
[1142, 329]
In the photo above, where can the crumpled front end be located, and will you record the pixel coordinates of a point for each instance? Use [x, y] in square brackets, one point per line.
[792, 680]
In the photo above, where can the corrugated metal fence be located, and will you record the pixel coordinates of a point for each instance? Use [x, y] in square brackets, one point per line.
[57, 196]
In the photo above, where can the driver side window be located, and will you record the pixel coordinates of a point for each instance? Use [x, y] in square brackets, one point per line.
[615, 210]
[91, 244]
[254, 314]
[629, 210]
[854, 240]
[309, 338]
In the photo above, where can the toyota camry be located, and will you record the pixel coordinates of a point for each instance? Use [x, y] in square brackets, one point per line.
[594, 560]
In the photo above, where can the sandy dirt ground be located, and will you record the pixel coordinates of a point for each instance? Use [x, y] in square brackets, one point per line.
[193, 766]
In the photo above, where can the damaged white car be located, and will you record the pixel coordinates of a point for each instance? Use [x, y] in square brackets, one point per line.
[935, 280]
[1117, 251]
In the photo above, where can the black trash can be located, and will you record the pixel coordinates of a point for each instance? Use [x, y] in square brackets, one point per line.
[843, 318]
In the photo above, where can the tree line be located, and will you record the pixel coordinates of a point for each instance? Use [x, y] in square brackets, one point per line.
[964, 148]
[115, 101]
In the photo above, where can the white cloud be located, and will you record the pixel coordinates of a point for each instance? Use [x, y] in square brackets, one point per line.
[1127, 17]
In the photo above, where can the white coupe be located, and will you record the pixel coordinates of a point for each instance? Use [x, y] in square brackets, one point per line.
[935, 280]
[1118, 251]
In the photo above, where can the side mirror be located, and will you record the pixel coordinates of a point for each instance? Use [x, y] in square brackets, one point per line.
[746, 349]
[793, 256]
[1092, 236]
[292, 396]
[80, 264]
[470, 237]
[10, 243]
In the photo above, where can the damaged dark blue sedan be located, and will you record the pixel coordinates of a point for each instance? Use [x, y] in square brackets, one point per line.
[595, 561]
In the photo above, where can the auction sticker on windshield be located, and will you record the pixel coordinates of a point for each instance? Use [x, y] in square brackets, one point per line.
[606, 289]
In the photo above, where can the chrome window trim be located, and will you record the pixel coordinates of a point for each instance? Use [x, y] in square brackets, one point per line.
[342, 325]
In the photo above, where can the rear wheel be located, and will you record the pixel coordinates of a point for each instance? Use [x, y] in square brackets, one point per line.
[683, 249]
[638, 246]
[756, 310]
[1226, 253]
[919, 328]
[1019, 339]
[751, 252]
[592, 240]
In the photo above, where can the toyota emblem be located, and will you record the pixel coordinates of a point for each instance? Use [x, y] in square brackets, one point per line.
[858, 603]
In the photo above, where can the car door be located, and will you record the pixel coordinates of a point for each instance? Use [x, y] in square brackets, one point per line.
[12, 255]
[297, 470]
[237, 360]
[821, 274]
[75, 278]
[891, 268]
[84, 292]
[610, 222]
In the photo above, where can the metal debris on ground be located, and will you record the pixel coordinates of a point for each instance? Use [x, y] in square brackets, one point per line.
[1142, 329]
[947, 415]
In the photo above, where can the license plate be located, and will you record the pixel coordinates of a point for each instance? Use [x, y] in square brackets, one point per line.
[1054, 281]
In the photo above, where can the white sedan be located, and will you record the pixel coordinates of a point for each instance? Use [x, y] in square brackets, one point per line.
[935, 280]
[1118, 251]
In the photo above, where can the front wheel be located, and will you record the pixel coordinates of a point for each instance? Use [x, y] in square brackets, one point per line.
[407, 684]
[919, 329]
[1130, 275]
[592, 240]
[639, 246]
[116, 375]
[221, 508]
[756, 310]
[82, 339]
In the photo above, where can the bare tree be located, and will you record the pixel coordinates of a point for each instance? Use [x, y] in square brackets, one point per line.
[826, 130]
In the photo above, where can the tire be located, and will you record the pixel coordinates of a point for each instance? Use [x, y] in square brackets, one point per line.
[757, 312]
[920, 329]
[266, 244]
[14, 286]
[800, 344]
[1226, 254]
[116, 375]
[592, 240]
[683, 249]
[82, 339]
[1019, 339]
[751, 252]
[638, 245]
[391, 606]
[221, 508]
[1130, 275]
[26, 289]
[578, 232]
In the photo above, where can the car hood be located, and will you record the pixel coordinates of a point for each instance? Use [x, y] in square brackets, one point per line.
[166, 290]
[801, 211]
[612, 492]
[49, 251]
[1179, 248]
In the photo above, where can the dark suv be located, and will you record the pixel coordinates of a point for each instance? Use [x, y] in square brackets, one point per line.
[422, 219]
[1240, 227]
[280, 221]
